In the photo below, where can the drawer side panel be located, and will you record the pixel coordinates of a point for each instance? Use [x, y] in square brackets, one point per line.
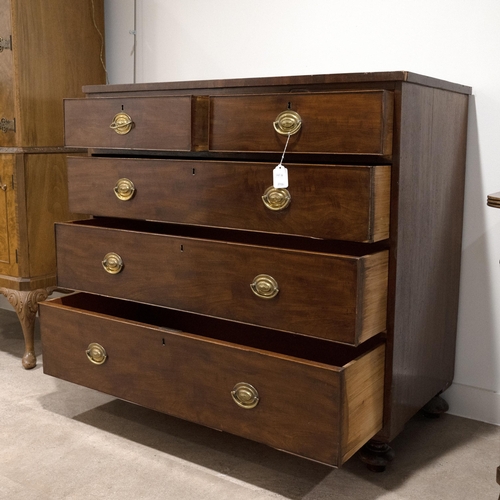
[373, 294]
[363, 401]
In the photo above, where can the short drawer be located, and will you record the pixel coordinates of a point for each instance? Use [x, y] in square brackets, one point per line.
[219, 374]
[164, 123]
[338, 297]
[333, 202]
[359, 123]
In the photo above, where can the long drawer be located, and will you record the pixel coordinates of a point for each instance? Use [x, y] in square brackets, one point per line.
[219, 374]
[337, 297]
[345, 123]
[332, 202]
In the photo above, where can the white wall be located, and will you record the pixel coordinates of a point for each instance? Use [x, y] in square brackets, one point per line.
[456, 40]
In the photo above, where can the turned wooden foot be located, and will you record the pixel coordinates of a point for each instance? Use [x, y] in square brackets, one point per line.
[376, 455]
[435, 407]
[26, 306]
[498, 478]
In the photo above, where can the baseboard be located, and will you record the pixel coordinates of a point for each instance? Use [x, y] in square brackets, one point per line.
[474, 403]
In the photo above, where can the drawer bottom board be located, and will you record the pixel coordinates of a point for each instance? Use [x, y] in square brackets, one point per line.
[323, 405]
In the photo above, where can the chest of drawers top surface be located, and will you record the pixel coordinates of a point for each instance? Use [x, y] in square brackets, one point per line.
[289, 84]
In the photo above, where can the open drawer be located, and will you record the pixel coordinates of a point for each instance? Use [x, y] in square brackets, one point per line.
[340, 297]
[252, 382]
[338, 202]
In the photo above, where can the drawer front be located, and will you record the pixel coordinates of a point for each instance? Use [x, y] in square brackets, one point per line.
[336, 297]
[330, 202]
[337, 122]
[156, 123]
[193, 377]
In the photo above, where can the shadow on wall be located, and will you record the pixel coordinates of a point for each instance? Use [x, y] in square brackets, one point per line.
[476, 365]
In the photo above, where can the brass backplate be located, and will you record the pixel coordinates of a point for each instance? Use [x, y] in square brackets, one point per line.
[122, 123]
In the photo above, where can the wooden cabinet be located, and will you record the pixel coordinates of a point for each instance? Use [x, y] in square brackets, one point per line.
[315, 317]
[48, 50]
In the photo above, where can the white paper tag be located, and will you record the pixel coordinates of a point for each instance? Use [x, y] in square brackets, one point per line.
[280, 177]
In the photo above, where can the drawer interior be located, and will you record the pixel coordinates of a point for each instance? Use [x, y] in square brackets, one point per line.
[292, 242]
[297, 346]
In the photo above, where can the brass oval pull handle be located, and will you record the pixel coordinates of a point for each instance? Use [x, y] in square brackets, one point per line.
[96, 353]
[122, 124]
[276, 198]
[287, 122]
[124, 189]
[265, 286]
[112, 263]
[245, 395]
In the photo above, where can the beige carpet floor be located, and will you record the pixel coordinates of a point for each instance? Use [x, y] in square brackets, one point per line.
[61, 441]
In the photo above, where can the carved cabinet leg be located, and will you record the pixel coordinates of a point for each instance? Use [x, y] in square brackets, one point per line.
[26, 306]
[376, 455]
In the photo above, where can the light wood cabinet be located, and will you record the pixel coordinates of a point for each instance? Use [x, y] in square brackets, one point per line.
[48, 51]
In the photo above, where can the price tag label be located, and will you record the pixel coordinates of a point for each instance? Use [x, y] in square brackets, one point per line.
[280, 177]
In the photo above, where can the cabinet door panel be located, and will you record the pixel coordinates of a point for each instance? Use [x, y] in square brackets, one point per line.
[46, 203]
[8, 216]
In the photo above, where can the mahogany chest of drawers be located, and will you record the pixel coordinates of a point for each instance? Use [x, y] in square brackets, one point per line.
[312, 317]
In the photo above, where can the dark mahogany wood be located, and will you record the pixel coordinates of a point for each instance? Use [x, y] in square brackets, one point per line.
[337, 202]
[379, 79]
[339, 122]
[428, 178]
[158, 122]
[204, 255]
[337, 297]
[358, 123]
[191, 377]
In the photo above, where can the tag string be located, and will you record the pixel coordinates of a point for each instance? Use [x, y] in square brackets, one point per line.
[284, 151]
